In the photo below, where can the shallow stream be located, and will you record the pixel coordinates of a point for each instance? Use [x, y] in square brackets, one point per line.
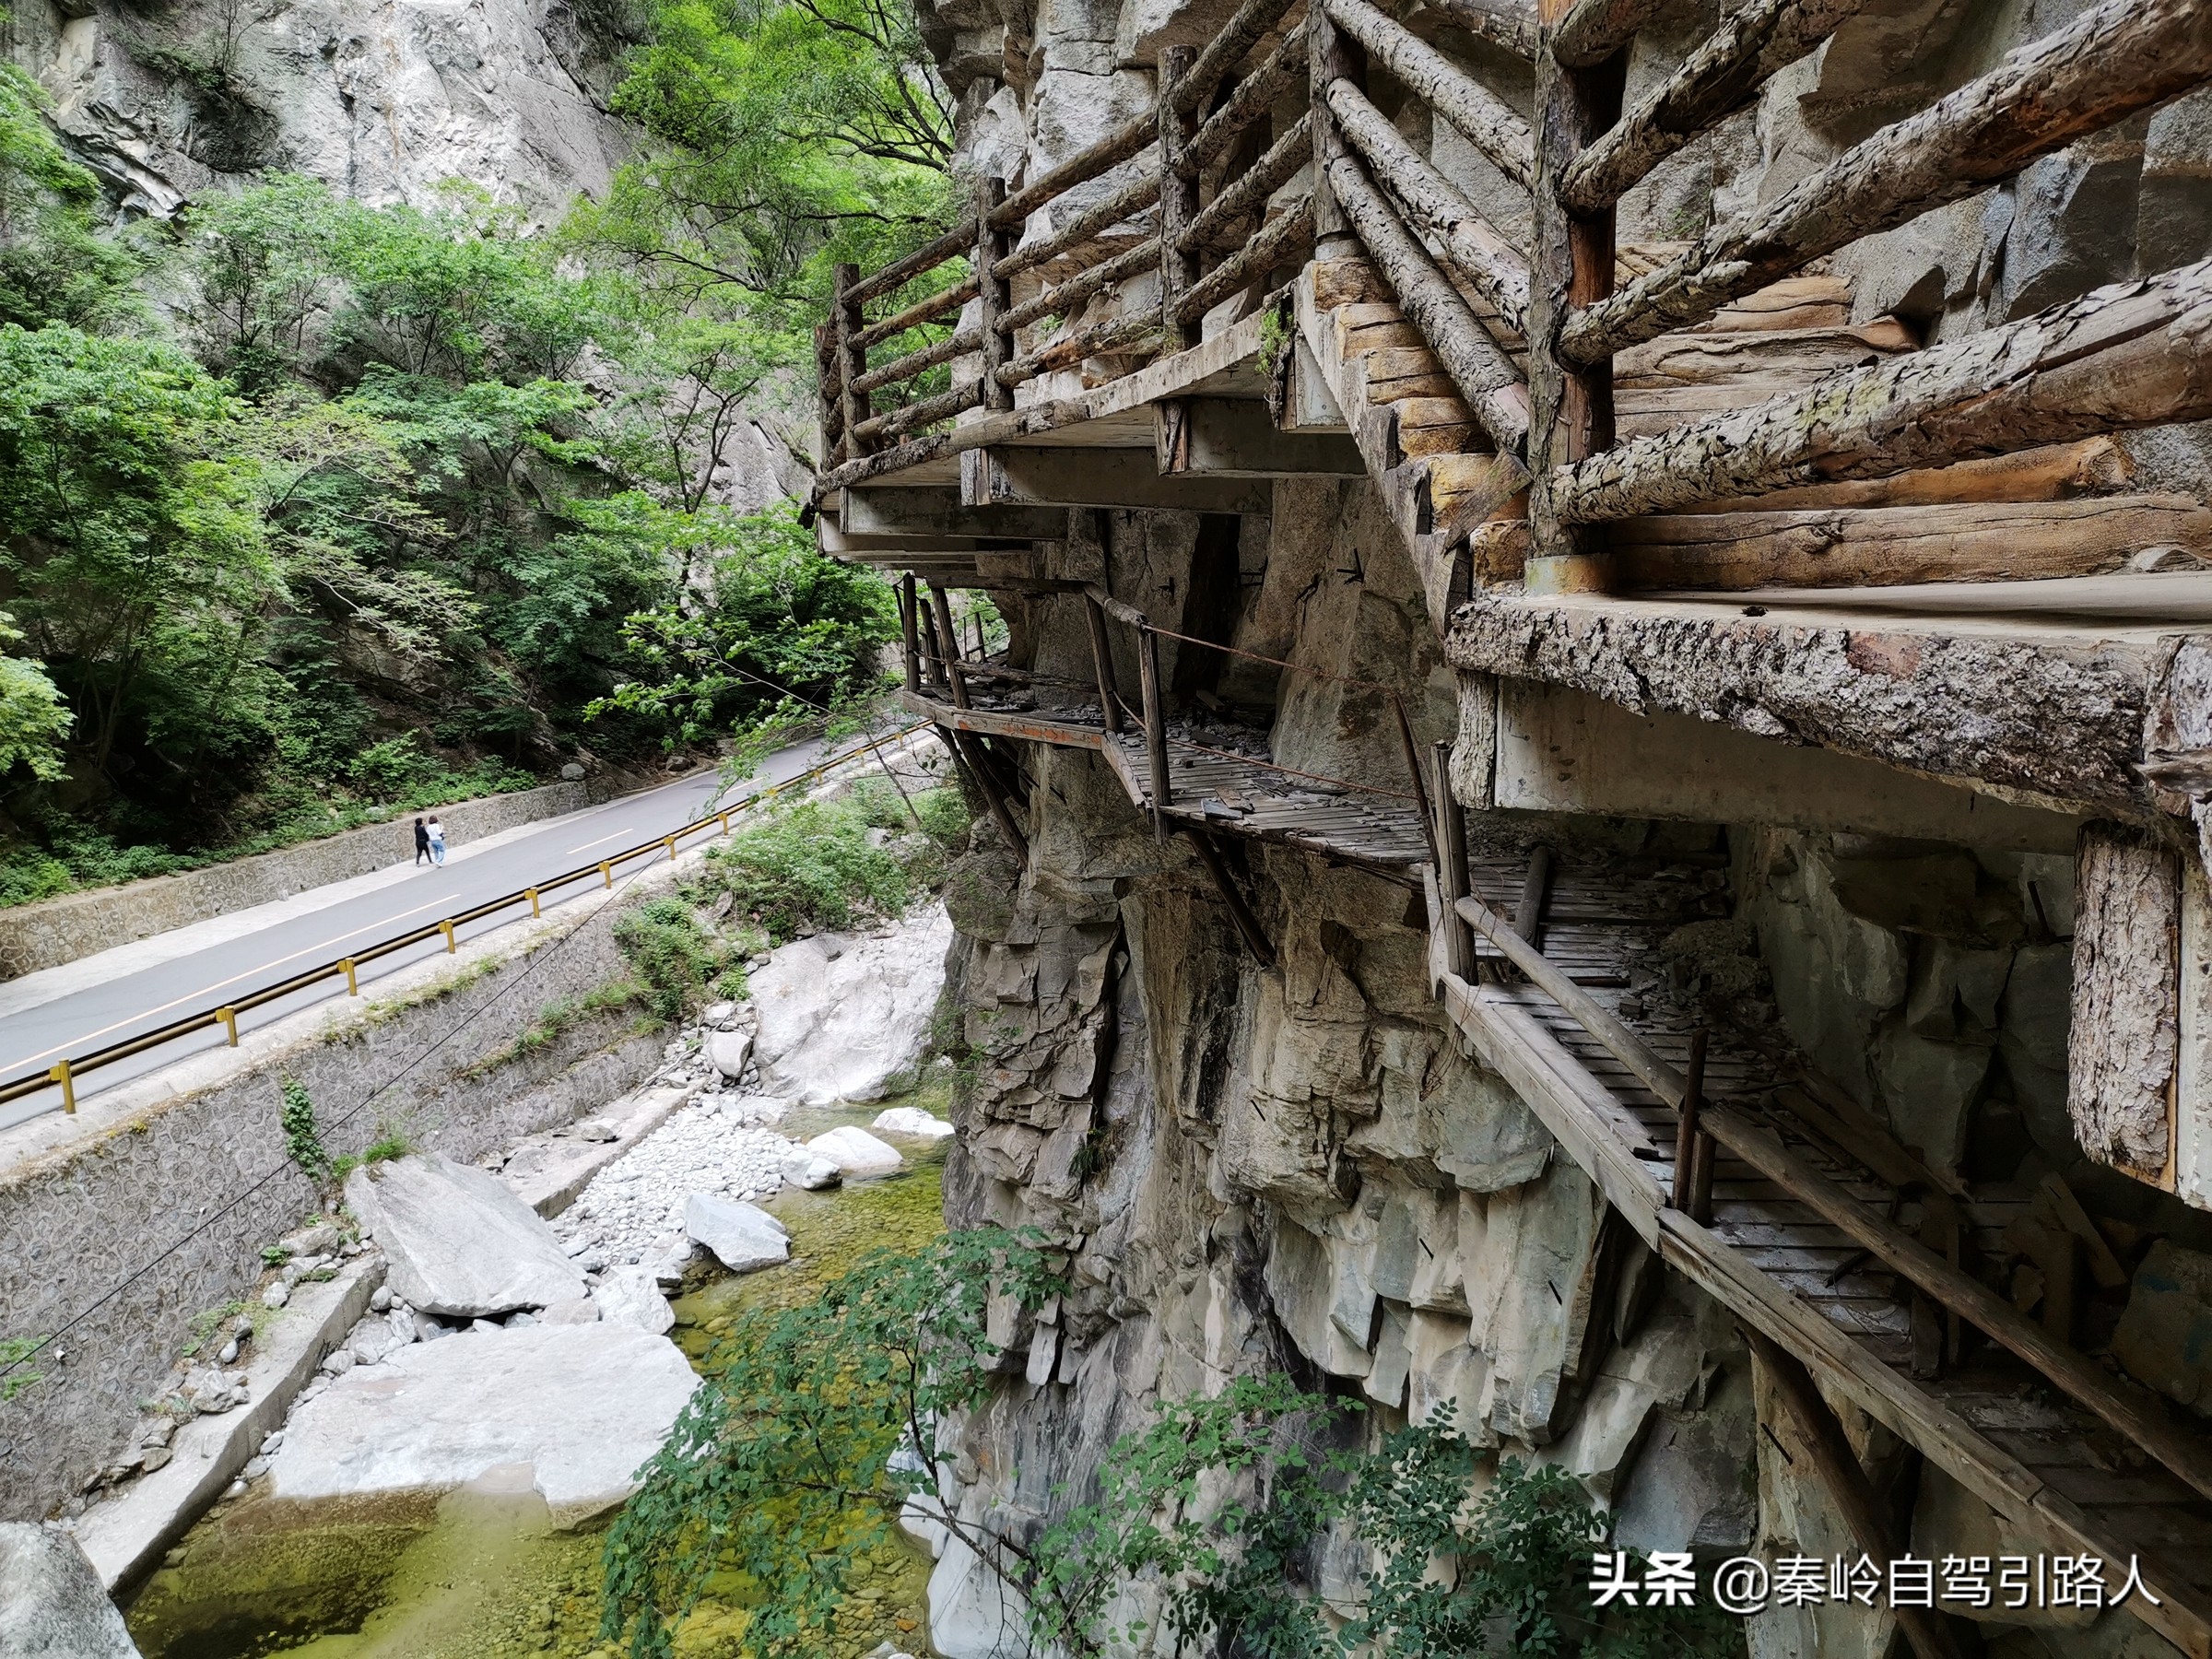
[482, 1573]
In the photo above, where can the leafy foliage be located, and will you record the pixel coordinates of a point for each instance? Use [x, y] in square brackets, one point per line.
[303, 1138]
[814, 1426]
[815, 865]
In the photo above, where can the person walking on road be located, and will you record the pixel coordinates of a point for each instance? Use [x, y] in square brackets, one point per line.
[436, 831]
[422, 842]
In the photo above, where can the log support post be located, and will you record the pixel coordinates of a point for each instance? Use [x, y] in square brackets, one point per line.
[851, 358]
[1178, 196]
[1571, 408]
[1693, 1147]
[1848, 1486]
[1156, 727]
[1101, 661]
[948, 645]
[993, 292]
[1239, 909]
[830, 411]
[909, 635]
[1451, 866]
[1331, 56]
[974, 766]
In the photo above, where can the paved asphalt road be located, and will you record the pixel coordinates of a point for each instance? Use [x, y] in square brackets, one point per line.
[133, 1000]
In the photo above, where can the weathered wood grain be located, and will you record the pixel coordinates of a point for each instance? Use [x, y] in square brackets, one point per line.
[1485, 376]
[2058, 472]
[1482, 117]
[2126, 1041]
[1718, 78]
[1249, 193]
[1700, 360]
[2132, 354]
[1470, 244]
[1889, 546]
[1507, 23]
[2115, 59]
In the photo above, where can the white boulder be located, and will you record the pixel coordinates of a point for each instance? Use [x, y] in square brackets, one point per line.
[459, 1242]
[804, 1167]
[53, 1604]
[572, 1409]
[727, 1051]
[855, 1152]
[839, 1026]
[744, 1237]
[914, 1120]
[632, 1296]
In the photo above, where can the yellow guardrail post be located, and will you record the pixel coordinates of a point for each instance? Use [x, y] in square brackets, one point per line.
[726, 823]
[353, 984]
[607, 870]
[531, 893]
[447, 929]
[229, 1019]
[59, 1071]
[669, 842]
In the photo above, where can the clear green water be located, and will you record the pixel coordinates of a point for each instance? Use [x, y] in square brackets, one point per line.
[484, 1575]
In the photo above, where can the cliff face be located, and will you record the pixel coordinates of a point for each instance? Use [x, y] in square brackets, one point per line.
[383, 99]
[1298, 1167]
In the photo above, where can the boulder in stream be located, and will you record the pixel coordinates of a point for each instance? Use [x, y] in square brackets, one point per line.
[53, 1604]
[569, 1411]
[914, 1120]
[744, 1237]
[459, 1242]
[632, 1296]
[855, 1152]
[841, 1025]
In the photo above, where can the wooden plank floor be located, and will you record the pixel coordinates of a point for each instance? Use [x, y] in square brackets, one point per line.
[1605, 926]
[2117, 1500]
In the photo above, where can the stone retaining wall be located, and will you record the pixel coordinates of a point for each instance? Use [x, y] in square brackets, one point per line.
[76, 925]
[181, 1178]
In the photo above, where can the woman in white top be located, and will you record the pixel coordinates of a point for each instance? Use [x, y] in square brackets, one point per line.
[436, 831]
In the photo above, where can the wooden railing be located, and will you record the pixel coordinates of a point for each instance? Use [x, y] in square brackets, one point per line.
[1203, 252]
[1527, 334]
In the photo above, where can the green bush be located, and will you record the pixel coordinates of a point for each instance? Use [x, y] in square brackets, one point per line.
[812, 867]
[672, 954]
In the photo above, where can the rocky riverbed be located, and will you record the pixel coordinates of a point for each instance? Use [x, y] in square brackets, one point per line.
[438, 1488]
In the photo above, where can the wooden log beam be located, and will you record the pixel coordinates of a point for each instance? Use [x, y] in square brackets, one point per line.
[1239, 909]
[1235, 438]
[1282, 240]
[1485, 377]
[953, 244]
[1470, 244]
[1178, 199]
[1717, 79]
[1134, 333]
[1593, 30]
[2000, 541]
[1131, 199]
[1508, 23]
[2134, 354]
[1080, 169]
[852, 360]
[996, 340]
[923, 310]
[1250, 192]
[2141, 1419]
[1256, 95]
[1246, 28]
[2058, 472]
[1098, 477]
[2125, 1050]
[937, 511]
[1845, 1478]
[1064, 299]
[1482, 117]
[914, 362]
[2114, 60]
[892, 422]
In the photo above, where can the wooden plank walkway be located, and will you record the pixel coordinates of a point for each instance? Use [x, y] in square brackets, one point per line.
[2052, 1468]
[2047, 1465]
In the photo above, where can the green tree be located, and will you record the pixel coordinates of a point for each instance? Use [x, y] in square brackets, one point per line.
[53, 266]
[130, 527]
[812, 1429]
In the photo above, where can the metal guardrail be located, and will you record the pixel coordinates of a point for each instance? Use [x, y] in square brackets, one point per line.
[65, 1071]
